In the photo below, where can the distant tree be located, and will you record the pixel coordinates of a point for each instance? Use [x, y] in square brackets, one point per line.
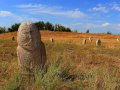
[2, 29]
[49, 26]
[62, 28]
[109, 32]
[10, 30]
[87, 31]
[56, 27]
[68, 29]
[14, 27]
[40, 25]
[75, 31]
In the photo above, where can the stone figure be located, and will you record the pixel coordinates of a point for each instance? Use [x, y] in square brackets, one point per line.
[31, 50]
[13, 38]
[98, 42]
[51, 39]
[84, 41]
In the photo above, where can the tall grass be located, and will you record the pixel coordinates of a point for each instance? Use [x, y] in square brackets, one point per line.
[69, 65]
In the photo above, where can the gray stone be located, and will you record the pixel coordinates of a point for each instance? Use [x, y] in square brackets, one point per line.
[31, 50]
[98, 42]
[13, 38]
[84, 41]
[51, 39]
[118, 40]
[90, 40]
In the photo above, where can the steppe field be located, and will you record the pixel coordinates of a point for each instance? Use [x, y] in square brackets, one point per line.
[70, 64]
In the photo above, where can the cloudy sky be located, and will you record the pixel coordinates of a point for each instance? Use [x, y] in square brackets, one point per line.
[99, 16]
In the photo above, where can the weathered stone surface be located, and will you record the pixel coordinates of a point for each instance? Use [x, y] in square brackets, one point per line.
[51, 39]
[90, 40]
[31, 50]
[118, 40]
[84, 41]
[98, 42]
[13, 38]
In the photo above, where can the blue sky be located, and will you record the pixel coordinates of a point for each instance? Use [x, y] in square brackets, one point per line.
[99, 16]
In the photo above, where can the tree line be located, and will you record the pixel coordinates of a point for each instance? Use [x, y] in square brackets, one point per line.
[41, 25]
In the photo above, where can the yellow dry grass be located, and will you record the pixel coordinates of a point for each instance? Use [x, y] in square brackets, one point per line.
[67, 36]
[90, 64]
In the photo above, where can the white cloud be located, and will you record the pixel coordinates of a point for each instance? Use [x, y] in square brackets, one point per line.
[94, 27]
[5, 13]
[24, 18]
[40, 6]
[20, 18]
[52, 10]
[75, 24]
[105, 24]
[29, 6]
[70, 13]
[100, 8]
[116, 7]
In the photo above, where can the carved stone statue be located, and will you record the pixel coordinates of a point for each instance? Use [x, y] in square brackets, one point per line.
[31, 50]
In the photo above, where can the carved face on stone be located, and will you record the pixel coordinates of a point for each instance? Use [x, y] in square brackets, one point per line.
[28, 36]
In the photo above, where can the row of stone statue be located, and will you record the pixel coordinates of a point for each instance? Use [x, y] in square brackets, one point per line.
[98, 41]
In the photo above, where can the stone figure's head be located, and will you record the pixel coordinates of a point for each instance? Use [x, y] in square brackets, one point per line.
[28, 36]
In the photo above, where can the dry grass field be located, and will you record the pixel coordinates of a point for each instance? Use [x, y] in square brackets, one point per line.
[71, 65]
